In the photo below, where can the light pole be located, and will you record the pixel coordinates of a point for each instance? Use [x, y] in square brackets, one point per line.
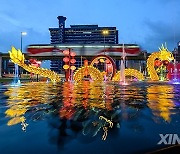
[105, 33]
[22, 34]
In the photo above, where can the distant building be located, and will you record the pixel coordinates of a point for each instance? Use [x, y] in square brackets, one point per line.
[82, 34]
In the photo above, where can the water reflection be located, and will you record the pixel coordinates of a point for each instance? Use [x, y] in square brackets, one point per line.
[160, 98]
[31, 98]
[87, 108]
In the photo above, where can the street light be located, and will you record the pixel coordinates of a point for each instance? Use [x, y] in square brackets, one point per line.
[105, 33]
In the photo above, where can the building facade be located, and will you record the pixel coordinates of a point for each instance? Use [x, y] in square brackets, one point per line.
[82, 34]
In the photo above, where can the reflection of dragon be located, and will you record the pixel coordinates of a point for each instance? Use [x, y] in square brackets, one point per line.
[162, 55]
[161, 102]
[18, 58]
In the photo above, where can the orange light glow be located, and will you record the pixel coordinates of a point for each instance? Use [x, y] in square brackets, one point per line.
[66, 67]
[66, 52]
[73, 68]
[73, 54]
[102, 60]
[85, 62]
[73, 61]
[66, 59]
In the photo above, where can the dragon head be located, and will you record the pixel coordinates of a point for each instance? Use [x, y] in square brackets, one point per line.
[165, 54]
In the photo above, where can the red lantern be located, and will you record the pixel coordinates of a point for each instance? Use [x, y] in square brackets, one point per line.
[72, 61]
[165, 62]
[66, 67]
[157, 63]
[85, 62]
[66, 52]
[73, 54]
[66, 59]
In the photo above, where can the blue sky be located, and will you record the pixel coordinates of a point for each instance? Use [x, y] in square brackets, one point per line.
[148, 23]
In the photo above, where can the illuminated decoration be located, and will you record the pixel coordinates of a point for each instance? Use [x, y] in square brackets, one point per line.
[129, 72]
[66, 52]
[34, 62]
[174, 72]
[18, 58]
[72, 61]
[157, 63]
[102, 60]
[108, 121]
[163, 55]
[109, 67]
[73, 54]
[105, 133]
[107, 61]
[65, 59]
[94, 73]
[86, 62]
[66, 67]
[73, 68]
[24, 125]
[96, 62]
[69, 64]
[105, 128]
[165, 62]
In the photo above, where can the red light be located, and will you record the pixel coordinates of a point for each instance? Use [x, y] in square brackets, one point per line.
[66, 59]
[157, 63]
[72, 61]
[73, 54]
[107, 61]
[66, 52]
[85, 62]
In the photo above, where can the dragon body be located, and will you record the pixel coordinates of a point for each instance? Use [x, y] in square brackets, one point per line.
[162, 55]
[18, 58]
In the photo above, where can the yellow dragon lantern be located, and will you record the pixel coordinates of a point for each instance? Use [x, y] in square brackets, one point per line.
[95, 74]
[129, 72]
[18, 58]
[162, 55]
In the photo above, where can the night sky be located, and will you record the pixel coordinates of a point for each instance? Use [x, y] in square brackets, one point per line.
[148, 23]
